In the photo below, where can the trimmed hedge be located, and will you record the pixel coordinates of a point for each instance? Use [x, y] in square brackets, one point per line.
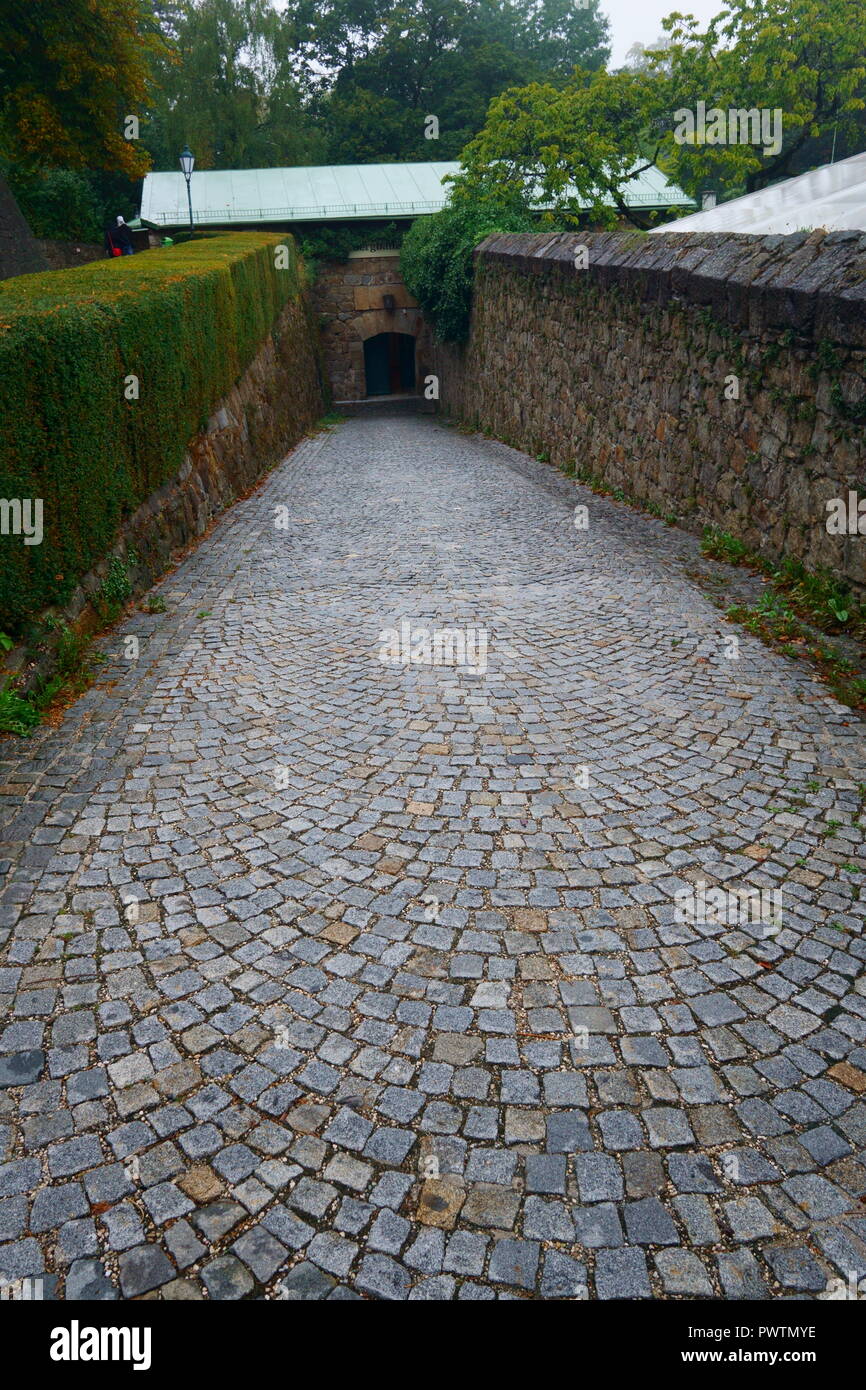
[186, 321]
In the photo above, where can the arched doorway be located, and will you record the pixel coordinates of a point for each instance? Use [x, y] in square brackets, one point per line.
[389, 364]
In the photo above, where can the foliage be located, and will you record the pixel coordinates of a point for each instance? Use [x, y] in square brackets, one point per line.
[58, 203]
[436, 259]
[377, 70]
[777, 624]
[73, 668]
[825, 599]
[721, 545]
[17, 715]
[249, 84]
[560, 36]
[186, 321]
[804, 57]
[70, 70]
[818, 596]
[584, 138]
[365, 127]
[572, 147]
[116, 588]
[227, 88]
[335, 242]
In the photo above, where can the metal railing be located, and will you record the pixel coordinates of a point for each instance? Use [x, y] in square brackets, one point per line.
[337, 211]
[295, 213]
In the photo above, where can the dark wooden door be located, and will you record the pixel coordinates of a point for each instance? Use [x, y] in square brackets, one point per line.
[389, 364]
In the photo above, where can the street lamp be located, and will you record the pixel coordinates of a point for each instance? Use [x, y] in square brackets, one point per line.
[187, 164]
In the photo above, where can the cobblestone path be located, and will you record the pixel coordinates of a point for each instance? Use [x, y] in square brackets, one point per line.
[327, 977]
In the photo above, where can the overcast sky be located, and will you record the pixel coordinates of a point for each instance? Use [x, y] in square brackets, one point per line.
[640, 21]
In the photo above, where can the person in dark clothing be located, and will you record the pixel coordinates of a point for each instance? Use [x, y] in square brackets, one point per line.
[123, 237]
[118, 239]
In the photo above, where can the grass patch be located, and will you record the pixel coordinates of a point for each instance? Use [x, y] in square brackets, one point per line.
[818, 596]
[797, 608]
[18, 715]
[598, 485]
[776, 623]
[75, 664]
[721, 545]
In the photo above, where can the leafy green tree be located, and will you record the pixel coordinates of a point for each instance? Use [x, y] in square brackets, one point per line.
[806, 58]
[330, 36]
[365, 128]
[71, 71]
[59, 203]
[228, 89]
[578, 143]
[560, 35]
[444, 58]
[573, 148]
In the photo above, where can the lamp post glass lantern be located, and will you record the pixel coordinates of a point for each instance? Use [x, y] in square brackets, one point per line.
[187, 164]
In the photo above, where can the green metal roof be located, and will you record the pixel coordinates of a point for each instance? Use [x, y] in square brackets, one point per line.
[331, 193]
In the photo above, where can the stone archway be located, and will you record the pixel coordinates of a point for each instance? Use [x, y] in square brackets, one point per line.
[371, 324]
[351, 299]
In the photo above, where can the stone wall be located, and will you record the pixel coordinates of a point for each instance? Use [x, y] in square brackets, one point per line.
[721, 375]
[348, 296]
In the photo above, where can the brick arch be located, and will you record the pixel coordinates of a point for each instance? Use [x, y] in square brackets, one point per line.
[372, 321]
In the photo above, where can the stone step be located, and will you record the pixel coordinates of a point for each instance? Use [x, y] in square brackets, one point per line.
[385, 405]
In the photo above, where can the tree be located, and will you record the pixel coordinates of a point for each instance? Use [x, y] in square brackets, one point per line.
[331, 36]
[798, 64]
[561, 35]
[59, 203]
[804, 58]
[640, 57]
[228, 89]
[572, 148]
[442, 58]
[70, 71]
[366, 128]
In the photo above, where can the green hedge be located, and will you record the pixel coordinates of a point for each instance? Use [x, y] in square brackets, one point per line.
[187, 321]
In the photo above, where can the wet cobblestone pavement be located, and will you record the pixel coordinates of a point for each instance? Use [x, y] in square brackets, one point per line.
[324, 976]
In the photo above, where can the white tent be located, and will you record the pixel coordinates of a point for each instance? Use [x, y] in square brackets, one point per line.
[832, 197]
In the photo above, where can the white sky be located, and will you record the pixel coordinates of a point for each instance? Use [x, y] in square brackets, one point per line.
[640, 21]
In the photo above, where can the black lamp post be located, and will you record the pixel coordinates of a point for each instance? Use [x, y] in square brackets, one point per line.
[187, 164]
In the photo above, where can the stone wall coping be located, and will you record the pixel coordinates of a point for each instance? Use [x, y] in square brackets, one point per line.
[813, 283]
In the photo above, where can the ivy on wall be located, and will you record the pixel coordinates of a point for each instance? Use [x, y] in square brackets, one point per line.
[107, 372]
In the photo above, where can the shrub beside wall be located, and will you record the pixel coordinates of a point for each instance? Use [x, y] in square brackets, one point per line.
[185, 322]
[436, 259]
